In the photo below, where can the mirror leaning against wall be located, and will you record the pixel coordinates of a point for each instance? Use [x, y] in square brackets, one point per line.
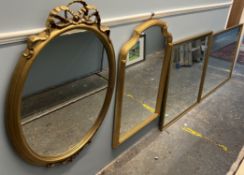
[141, 79]
[62, 86]
[222, 58]
[185, 76]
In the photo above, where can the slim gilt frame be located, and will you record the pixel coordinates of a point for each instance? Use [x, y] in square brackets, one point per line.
[162, 124]
[117, 138]
[203, 96]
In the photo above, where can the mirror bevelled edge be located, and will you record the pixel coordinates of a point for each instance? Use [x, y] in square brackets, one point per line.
[60, 20]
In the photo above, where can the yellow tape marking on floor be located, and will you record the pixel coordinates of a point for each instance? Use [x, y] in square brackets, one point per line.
[192, 132]
[149, 108]
[197, 134]
[129, 95]
[225, 148]
[146, 106]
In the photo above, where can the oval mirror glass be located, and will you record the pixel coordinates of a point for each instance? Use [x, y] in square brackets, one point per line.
[64, 92]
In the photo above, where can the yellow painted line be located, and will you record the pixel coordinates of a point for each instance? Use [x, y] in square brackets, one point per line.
[225, 148]
[192, 132]
[131, 96]
[149, 108]
[146, 106]
[198, 134]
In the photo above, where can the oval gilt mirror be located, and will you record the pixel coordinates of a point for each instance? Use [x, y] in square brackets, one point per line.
[62, 86]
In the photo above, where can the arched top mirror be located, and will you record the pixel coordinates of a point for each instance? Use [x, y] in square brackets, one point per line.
[142, 69]
[62, 86]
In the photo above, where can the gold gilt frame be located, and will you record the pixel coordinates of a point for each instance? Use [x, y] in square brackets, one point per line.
[61, 20]
[232, 64]
[117, 139]
[162, 124]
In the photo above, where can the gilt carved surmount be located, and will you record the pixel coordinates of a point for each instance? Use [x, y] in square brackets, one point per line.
[62, 17]
[86, 14]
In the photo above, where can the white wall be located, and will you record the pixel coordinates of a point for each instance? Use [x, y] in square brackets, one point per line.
[26, 14]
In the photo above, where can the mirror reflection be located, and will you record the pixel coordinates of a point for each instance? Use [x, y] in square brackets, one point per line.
[186, 69]
[221, 58]
[64, 92]
[142, 79]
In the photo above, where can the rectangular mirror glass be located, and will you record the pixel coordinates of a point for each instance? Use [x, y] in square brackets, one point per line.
[221, 58]
[185, 72]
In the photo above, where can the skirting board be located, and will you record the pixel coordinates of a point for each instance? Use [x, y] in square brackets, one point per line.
[20, 36]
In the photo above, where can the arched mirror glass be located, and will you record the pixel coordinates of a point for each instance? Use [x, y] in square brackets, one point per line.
[185, 75]
[221, 59]
[62, 87]
[141, 79]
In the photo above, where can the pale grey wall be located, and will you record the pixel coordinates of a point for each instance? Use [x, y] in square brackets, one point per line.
[26, 14]
[154, 40]
[65, 58]
[70, 57]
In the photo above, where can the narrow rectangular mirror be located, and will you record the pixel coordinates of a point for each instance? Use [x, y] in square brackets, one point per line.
[184, 76]
[221, 59]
